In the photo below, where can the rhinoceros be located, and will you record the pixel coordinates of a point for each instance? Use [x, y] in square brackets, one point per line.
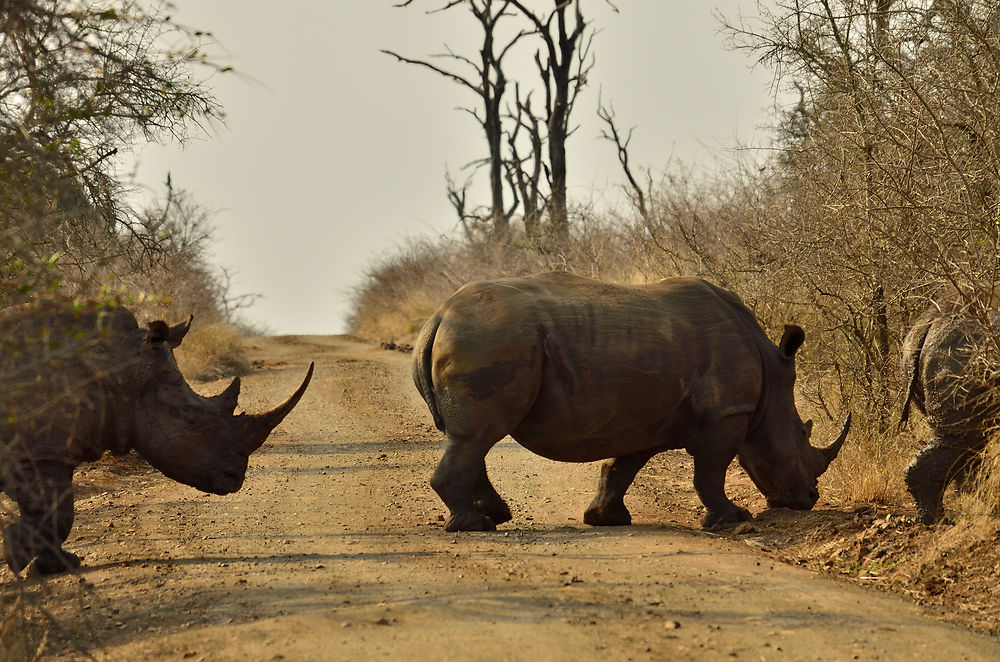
[950, 380]
[84, 379]
[577, 370]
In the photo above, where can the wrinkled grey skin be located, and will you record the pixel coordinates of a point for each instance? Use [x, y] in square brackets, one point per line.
[945, 383]
[79, 382]
[576, 370]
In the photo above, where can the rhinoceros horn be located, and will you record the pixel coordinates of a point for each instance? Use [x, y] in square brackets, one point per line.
[257, 427]
[830, 452]
[227, 400]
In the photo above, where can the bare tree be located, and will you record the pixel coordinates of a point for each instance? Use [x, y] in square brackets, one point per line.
[524, 172]
[563, 64]
[489, 83]
[638, 194]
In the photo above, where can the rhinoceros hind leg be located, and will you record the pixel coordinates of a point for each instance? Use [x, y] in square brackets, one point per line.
[466, 521]
[456, 479]
[608, 507]
[715, 520]
[967, 472]
[488, 502]
[932, 470]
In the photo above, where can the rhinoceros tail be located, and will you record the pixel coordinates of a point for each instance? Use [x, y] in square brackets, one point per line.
[912, 349]
[422, 368]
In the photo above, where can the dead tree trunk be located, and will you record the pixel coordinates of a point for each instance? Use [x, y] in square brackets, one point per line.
[489, 83]
[563, 68]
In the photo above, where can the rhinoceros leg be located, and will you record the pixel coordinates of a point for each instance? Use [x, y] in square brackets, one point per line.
[713, 454]
[608, 507]
[459, 481]
[940, 462]
[488, 502]
[45, 501]
[967, 471]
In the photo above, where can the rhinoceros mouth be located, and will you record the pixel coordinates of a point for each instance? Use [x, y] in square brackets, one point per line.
[804, 500]
[221, 485]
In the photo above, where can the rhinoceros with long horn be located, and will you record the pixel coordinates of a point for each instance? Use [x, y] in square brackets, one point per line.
[578, 370]
[951, 377]
[76, 381]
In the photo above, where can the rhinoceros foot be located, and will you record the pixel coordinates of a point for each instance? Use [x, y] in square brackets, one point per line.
[54, 563]
[715, 520]
[468, 521]
[19, 549]
[495, 509]
[607, 515]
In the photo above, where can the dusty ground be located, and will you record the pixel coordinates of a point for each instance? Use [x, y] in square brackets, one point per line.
[334, 550]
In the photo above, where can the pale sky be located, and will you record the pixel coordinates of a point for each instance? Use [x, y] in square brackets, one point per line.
[334, 153]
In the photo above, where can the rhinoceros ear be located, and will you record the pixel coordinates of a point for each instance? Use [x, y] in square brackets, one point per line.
[791, 340]
[158, 333]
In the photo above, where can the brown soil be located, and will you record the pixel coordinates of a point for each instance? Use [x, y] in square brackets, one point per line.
[335, 550]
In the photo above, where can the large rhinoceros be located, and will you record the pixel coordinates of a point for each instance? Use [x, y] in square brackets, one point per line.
[953, 381]
[577, 370]
[81, 380]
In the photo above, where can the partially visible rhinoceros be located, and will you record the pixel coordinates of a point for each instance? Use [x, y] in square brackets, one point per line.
[577, 370]
[76, 381]
[953, 382]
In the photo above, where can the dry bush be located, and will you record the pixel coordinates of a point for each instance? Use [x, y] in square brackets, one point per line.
[211, 352]
[404, 288]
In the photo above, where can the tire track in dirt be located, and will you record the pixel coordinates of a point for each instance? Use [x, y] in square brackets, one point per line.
[334, 550]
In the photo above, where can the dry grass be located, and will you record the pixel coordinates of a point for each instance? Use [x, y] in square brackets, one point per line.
[982, 502]
[869, 470]
[21, 639]
[212, 351]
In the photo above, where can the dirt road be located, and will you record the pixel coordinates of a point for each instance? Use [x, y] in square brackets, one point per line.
[335, 550]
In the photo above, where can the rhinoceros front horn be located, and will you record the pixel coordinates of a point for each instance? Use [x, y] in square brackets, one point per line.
[830, 452]
[257, 427]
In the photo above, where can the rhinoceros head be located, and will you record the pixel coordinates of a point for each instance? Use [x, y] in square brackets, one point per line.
[782, 463]
[193, 439]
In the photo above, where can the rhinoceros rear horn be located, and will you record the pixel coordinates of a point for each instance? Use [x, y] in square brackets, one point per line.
[227, 400]
[257, 427]
[830, 452]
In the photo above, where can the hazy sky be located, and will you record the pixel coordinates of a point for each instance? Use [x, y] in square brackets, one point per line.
[334, 153]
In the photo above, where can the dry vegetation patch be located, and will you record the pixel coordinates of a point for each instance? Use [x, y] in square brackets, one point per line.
[950, 569]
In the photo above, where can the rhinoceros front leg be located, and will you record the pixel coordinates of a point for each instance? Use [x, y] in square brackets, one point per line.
[45, 500]
[716, 449]
[940, 462]
[608, 507]
[461, 482]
